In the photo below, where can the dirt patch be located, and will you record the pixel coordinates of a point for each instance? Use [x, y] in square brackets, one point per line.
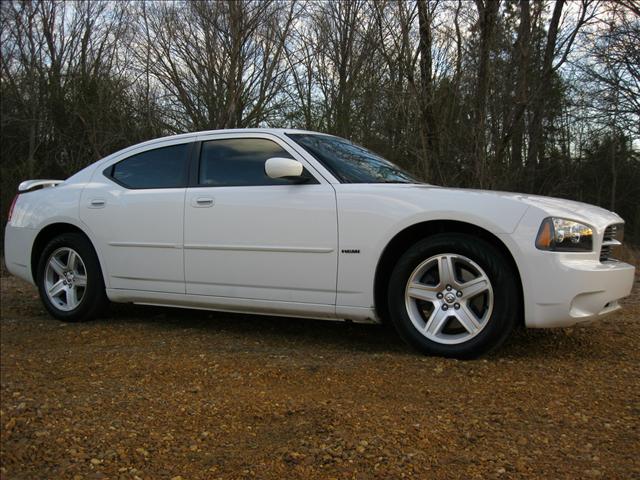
[165, 393]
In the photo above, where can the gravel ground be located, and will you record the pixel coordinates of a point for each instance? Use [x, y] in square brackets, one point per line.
[165, 393]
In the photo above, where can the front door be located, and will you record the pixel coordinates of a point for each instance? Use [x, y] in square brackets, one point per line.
[252, 237]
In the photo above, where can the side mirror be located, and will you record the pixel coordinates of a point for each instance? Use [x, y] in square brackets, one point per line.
[279, 167]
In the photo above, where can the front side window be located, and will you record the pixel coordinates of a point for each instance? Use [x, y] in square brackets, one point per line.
[351, 163]
[164, 167]
[239, 162]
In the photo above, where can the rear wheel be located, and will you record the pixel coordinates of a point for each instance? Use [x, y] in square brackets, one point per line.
[70, 279]
[453, 295]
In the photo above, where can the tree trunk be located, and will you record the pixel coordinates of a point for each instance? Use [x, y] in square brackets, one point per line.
[343, 101]
[427, 118]
[488, 13]
[520, 101]
[234, 79]
[456, 23]
[539, 106]
[614, 172]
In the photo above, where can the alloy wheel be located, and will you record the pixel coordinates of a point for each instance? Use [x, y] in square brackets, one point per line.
[449, 298]
[65, 279]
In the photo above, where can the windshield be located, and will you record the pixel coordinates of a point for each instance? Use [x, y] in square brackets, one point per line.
[351, 163]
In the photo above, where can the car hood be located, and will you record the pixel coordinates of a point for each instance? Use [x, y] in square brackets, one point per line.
[552, 207]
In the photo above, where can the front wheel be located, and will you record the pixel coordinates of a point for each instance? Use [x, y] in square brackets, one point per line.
[70, 280]
[453, 295]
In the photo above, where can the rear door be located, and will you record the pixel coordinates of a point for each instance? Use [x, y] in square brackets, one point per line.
[135, 209]
[252, 237]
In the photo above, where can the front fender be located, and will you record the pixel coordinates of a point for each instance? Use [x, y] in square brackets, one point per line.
[370, 216]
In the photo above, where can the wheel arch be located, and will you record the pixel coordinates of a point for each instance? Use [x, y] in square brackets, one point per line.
[49, 232]
[412, 234]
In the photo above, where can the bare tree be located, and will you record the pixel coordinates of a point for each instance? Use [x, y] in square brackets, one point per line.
[343, 39]
[223, 65]
[521, 88]
[54, 56]
[428, 131]
[541, 96]
[487, 19]
[554, 47]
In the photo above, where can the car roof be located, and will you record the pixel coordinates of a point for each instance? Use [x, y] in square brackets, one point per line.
[277, 131]
[153, 141]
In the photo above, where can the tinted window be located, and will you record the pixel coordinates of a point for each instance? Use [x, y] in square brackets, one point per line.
[239, 162]
[351, 163]
[160, 168]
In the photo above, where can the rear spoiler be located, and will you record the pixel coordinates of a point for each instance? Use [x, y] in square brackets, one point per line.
[30, 185]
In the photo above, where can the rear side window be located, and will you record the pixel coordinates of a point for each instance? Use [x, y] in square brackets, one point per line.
[239, 162]
[164, 167]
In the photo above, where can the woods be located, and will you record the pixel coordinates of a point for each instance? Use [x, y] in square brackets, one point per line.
[532, 96]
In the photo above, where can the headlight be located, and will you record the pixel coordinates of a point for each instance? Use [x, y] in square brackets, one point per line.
[561, 235]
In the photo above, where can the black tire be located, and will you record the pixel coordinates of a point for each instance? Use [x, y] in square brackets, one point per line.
[506, 297]
[94, 300]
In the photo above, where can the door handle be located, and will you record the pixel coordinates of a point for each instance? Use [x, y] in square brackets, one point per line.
[202, 202]
[97, 203]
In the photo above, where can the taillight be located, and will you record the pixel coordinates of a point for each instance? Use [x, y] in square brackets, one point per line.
[13, 204]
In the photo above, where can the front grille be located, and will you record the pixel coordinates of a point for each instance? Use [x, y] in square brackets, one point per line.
[610, 233]
[609, 241]
[605, 253]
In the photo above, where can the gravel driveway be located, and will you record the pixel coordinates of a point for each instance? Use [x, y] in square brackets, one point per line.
[165, 393]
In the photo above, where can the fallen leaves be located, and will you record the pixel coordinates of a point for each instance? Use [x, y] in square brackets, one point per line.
[187, 395]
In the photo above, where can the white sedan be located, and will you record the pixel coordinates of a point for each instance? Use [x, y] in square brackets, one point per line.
[303, 224]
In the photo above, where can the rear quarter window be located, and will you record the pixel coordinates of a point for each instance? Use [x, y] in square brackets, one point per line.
[164, 167]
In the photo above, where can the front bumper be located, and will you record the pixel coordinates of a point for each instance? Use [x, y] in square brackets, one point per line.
[576, 291]
[561, 289]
